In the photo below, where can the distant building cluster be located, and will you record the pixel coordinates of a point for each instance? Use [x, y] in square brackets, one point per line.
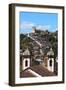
[40, 53]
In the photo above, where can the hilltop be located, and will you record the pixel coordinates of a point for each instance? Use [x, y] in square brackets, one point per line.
[39, 42]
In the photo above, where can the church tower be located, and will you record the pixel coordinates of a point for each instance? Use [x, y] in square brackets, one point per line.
[50, 63]
[26, 59]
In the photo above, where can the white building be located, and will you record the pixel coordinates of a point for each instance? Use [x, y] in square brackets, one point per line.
[26, 59]
[50, 65]
[49, 60]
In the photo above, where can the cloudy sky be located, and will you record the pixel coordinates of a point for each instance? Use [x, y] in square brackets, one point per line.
[41, 20]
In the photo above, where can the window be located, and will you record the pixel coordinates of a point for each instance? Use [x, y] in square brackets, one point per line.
[50, 63]
[26, 63]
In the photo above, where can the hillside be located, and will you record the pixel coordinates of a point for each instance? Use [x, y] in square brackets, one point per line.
[39, 42]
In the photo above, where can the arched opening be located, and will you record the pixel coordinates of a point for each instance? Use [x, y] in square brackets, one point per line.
[26, 63]
[50, 63]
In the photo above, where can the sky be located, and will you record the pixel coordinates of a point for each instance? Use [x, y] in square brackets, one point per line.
[43, 21]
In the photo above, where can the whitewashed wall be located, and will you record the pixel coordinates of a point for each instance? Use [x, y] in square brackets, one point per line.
[28, 63]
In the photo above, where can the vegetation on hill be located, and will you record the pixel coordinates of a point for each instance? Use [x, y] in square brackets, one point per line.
[52, 37]
[24, 42]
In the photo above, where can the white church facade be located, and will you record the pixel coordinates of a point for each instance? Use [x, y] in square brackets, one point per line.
[49, 60]
[25, 59]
